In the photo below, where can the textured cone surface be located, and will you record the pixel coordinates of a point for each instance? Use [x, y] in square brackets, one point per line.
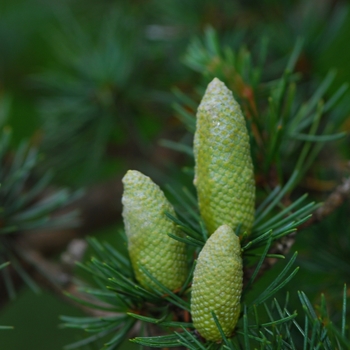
[224, 175]
[147, 228]
[217, 284]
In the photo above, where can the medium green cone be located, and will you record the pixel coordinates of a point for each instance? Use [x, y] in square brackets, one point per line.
[224, 175]
[217, 284]
[147, 228]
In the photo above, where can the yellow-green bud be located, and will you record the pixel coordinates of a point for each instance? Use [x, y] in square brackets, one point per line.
[217, 284]
[224, 175]
[147, 228]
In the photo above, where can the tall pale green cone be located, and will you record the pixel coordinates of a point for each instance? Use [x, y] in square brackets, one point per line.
[147, 228]
[224, 175]
[217, 284]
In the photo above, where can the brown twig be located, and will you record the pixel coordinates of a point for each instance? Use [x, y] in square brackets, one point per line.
[334, 201]
[58, 277]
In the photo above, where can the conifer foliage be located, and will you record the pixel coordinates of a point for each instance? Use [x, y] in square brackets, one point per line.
[27, 204]
[210, 310]
[204, 251]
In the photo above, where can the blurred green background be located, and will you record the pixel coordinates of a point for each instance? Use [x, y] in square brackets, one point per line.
[91, 81]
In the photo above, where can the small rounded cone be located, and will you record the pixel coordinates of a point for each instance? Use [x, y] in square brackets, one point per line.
[224, 175]
[147, 228]
[217, 285]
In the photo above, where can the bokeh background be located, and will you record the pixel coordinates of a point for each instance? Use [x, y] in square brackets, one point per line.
[93, 84]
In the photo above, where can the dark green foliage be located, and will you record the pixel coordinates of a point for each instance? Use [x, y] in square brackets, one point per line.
[118, 292]
[88, 94]
[30, 211]
[286, 126]
[283, 124]
[104, 95]
[27, 203]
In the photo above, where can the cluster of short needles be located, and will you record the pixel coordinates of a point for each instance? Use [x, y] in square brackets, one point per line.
[29, 204]
[182, 280]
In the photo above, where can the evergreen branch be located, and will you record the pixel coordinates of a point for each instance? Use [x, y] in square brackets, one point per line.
[269, 197]
[286, 119]
[118, 258]
[318, 138]
[177, 146]
[91, 324]
[125, 284]
[88, 340]
[187, 240]
[187, 229]
[27, 204]
[167, 293]
[323, 331]
[186, 118]
[122, 327]
[276, 221]
[185, 203]
[185, 99]
[290, 124]
[121, 335]
[258, 266]
[278, 282]
[191, 343]
[89, 205]
[21, 271]
[107, 273]
[162, 321]
[257, 241]
[287, 325]
[340, 340]
[284, 230]
[22, 209]
[157, 341]
[275, 323]
[277, 198]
